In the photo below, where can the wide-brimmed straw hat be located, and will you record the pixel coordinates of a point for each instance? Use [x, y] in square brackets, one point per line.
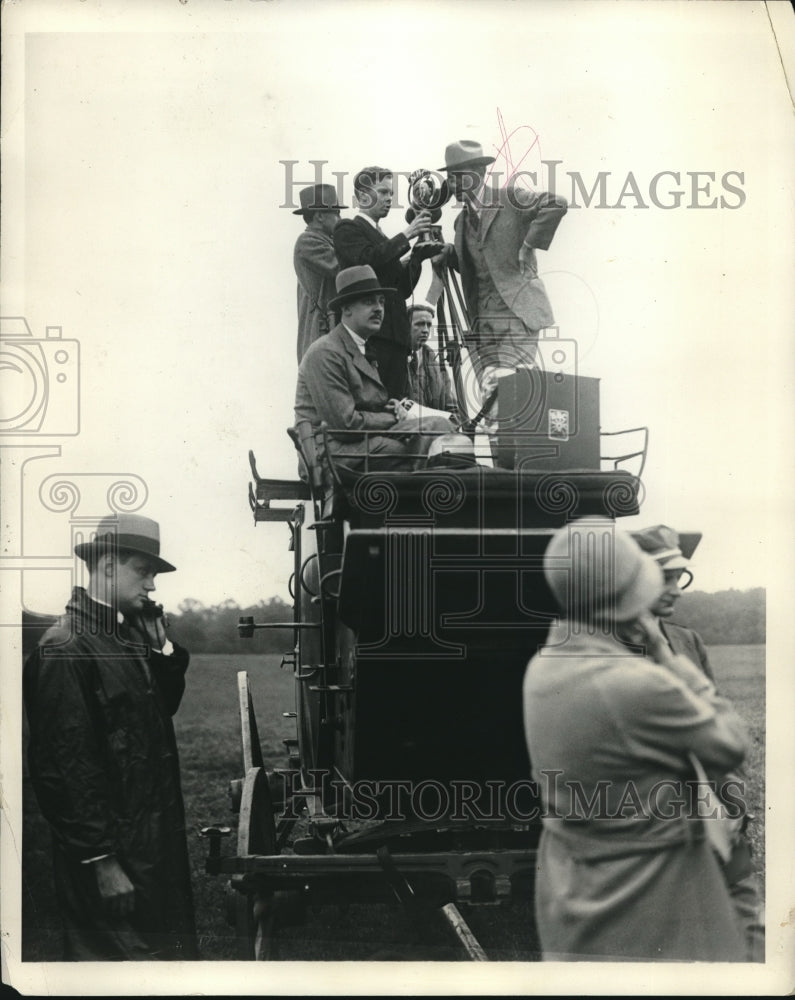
[354, 283]
[130, 532]
[464, 154]
[598, 572]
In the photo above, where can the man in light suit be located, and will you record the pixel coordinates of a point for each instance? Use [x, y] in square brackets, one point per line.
[315, 262]
[496, 238]
[671, 553]
[339, 384]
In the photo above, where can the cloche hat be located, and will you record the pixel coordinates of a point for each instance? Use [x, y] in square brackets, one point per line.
[598, 571]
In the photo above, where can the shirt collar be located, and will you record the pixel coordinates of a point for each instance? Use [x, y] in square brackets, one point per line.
[359, 341]
[104, 604]
[373, 223]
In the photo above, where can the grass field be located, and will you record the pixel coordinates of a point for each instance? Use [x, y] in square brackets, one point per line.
[208, 735]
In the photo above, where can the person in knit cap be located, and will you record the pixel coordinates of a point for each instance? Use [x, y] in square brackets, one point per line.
[617, 728]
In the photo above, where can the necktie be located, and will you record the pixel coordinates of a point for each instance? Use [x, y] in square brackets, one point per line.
[369, 353]
[473, 220]
[413, 367]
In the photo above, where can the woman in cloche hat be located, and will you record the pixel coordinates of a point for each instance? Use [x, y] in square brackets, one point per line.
[626, 866]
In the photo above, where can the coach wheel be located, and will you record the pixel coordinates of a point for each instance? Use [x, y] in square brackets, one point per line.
[256, 834]
[249, 734]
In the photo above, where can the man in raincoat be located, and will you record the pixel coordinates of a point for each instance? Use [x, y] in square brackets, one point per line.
[100, 690]
[315, 262]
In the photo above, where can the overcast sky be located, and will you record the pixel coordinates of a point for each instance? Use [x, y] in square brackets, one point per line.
[152, 233]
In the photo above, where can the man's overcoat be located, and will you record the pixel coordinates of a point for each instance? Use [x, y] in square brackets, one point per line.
[338, 385]
[358, 242]
[316, 267]
[103, 760]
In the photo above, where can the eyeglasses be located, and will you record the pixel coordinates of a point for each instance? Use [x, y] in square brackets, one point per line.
[681, 577]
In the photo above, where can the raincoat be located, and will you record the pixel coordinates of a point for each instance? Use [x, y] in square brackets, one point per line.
[103, 760]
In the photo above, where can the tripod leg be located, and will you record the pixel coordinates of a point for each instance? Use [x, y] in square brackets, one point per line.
[455, 281]
[450, 352]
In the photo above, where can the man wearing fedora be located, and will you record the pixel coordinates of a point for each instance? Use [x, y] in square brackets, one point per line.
[338, 384]
[496, 238]
[360, 241]
[315, 262]
[672, 553]
[99, 691]
[616, 726]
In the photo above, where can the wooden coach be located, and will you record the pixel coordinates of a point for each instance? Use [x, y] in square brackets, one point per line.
[418, 599]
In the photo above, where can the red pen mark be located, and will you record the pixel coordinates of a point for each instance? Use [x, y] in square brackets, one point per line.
[526, 144]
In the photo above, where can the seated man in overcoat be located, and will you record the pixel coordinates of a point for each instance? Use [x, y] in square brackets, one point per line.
[339, 384]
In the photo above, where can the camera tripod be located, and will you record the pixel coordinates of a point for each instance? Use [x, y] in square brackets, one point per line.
[452, 339]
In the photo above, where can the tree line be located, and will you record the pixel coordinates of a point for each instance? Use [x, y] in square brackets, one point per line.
[728, 617]
[213, 629]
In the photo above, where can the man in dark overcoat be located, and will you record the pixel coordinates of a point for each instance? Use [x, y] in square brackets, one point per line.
[100, 690]
[315, 262]
[361, 241]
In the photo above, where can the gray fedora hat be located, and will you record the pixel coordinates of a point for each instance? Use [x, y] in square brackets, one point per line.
[131, 532]
[596, 570]
[464, 154]
[354, 282]
[317, 198]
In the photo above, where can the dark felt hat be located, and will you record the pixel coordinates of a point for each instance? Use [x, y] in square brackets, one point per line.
[130, 532]
[354, 282]
[317, 198]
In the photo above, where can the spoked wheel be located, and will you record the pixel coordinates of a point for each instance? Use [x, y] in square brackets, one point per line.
[256, 834]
